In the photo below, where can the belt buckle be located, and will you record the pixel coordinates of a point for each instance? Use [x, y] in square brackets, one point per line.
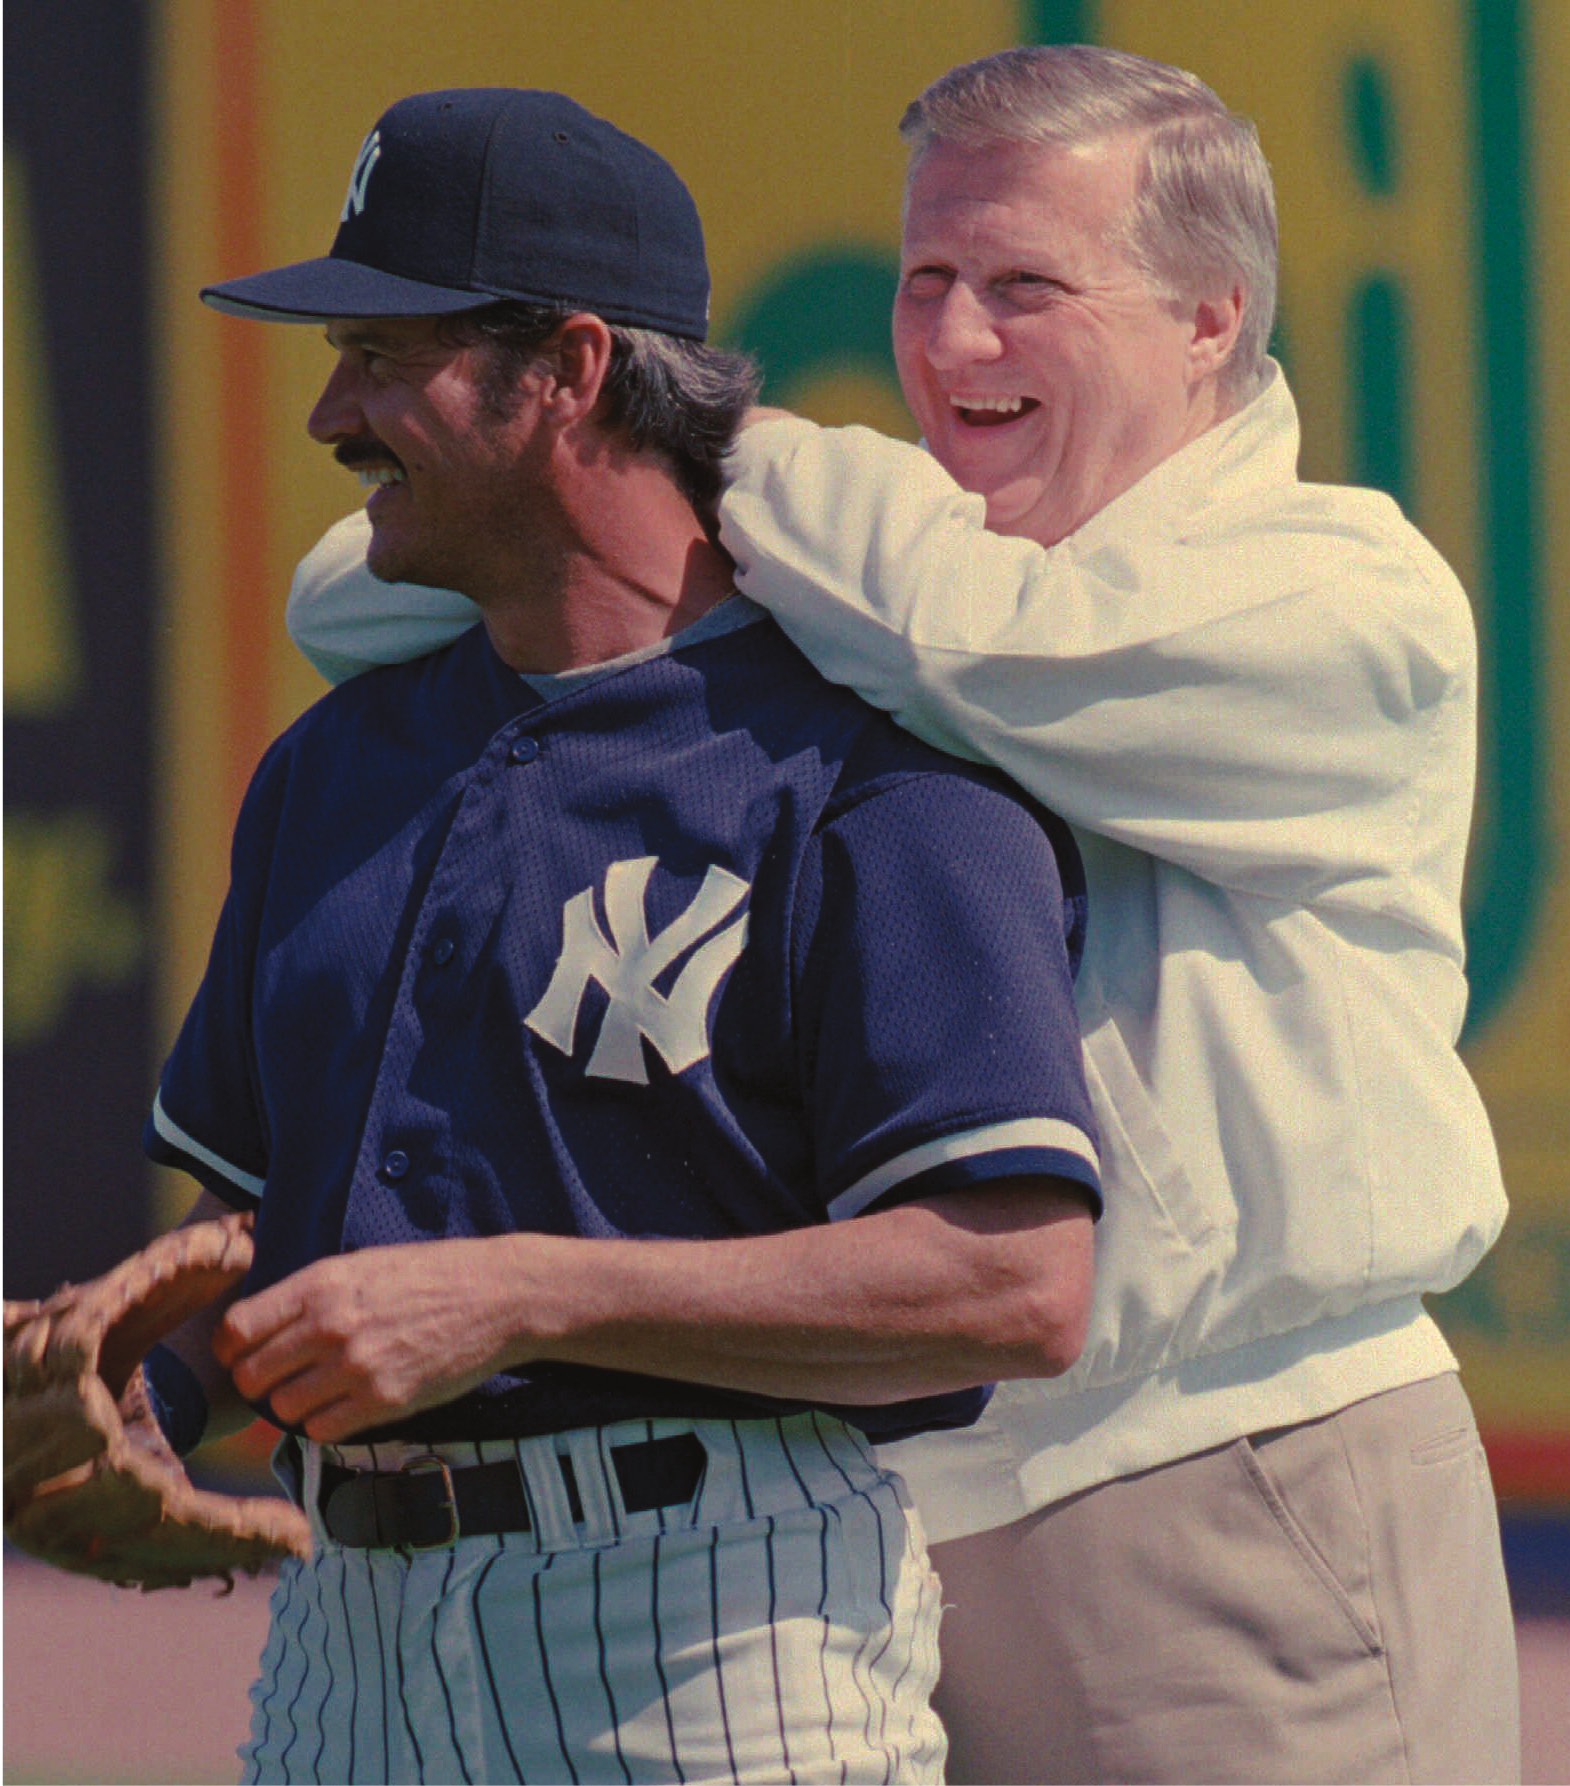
[425, 1466]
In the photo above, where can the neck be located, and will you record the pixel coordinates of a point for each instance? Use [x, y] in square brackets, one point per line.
[627, 563]
[1211, 405]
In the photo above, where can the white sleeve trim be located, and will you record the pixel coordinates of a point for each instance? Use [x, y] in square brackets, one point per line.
[1041, 1132]
[177, 1137]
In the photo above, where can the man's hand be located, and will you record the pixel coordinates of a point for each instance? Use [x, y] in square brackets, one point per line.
[355, 1341]
[960, 1288]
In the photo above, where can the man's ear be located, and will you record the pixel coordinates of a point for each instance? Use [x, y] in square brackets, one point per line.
[1217, 320]
[578, 358]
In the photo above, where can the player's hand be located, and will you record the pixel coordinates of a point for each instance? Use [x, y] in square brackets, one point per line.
[357, 1340]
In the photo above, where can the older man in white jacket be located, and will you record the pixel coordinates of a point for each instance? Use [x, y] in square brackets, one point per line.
[1250, 1536]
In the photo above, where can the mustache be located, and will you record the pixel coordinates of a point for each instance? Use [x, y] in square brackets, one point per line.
[363, 453]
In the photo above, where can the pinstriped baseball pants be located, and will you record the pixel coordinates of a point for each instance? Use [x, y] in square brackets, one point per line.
[781, 1627]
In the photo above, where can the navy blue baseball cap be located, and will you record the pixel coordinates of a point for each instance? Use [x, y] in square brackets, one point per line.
[460, 198]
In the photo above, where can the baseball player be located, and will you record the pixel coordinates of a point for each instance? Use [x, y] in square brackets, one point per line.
[654, 1074]
[1251, 1534]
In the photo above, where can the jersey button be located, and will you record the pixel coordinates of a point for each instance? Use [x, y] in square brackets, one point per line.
[443, 951]
[524, 750]
[396, 1164]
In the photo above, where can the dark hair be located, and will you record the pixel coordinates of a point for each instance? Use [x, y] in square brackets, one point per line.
[681, 399]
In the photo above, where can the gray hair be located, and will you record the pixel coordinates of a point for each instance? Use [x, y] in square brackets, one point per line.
[1204, 212]
[681, 399]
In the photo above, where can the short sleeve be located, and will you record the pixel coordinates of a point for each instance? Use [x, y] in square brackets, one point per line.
[207, 1117]
[938, 920]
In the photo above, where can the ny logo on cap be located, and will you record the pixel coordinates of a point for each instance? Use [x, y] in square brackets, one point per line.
[628, 964]
[370, 154]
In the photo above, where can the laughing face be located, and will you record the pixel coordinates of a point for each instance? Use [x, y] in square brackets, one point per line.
[451, 478]
[1044, 372]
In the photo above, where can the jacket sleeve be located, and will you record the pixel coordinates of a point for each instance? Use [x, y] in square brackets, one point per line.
[1259, 691]
[344, 620]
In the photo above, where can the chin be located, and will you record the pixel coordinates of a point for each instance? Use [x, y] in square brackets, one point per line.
[1013, 510]
[1035, 509]
[387, 564]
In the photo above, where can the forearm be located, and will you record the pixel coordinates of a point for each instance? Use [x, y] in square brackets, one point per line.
[939, 1295]
[930, 1297]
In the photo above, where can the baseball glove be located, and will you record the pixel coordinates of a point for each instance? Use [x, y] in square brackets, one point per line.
[91, 1484]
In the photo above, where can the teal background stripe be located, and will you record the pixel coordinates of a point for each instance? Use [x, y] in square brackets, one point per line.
[1506, 891]
[826, 312]
[1379, 388]
[1058, 21]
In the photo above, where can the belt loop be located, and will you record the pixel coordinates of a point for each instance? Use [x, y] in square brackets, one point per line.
[581, 1451]
[611, 1477]
[311, 1456]
[554, 1526]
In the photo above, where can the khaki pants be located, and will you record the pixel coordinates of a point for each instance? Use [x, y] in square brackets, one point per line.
[1323, 1602]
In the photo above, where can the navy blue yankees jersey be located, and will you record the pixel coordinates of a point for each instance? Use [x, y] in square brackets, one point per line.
[695, 946]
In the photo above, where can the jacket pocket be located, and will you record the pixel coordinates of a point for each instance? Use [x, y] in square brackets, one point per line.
[1135, 1139]
[1159, 1252]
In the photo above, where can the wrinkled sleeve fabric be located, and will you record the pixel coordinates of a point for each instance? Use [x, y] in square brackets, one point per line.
[933, 997]
[1251, 688]
[345, 621]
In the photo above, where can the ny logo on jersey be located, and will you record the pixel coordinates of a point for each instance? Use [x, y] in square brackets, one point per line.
[370, 154]
[628, 965]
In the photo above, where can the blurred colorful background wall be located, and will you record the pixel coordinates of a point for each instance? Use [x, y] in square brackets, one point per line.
[160, 486]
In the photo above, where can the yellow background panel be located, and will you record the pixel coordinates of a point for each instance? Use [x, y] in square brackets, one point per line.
[43, 671]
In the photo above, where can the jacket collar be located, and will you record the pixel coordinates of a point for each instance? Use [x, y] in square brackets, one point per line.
[1254, 450]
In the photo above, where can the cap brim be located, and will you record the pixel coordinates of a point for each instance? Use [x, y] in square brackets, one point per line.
[320, 290]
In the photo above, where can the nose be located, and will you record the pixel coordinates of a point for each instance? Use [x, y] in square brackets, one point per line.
[960, 332]
[337, 414]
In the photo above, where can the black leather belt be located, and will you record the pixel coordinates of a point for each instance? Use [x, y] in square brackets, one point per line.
[429, 1505]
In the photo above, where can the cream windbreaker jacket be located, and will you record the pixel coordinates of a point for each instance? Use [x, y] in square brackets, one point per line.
[1254, 700]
